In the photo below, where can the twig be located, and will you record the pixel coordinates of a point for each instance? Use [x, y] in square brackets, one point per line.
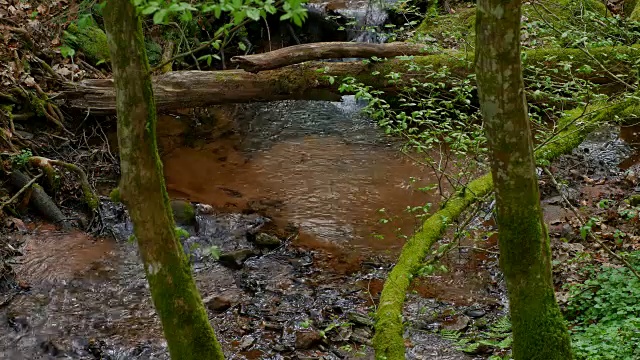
[24, 188]
[186, 42]
[582, 222]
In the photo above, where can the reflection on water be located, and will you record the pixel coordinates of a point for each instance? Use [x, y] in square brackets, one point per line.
[319, 165]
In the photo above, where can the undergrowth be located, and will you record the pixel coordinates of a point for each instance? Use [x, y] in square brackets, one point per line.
[604, 313]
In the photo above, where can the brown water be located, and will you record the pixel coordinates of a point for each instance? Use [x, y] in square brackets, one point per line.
[631, 135]
[330, 176]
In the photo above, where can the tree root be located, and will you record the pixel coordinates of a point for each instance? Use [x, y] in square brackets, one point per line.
[41, 104]
[39, 199]
[388, 340]
[46, 165]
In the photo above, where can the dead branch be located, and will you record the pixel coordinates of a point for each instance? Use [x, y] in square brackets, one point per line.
[325, 50]
[17, 194]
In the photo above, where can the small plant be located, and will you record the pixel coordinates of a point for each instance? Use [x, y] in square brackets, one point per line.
[306, 324]
[214, 252]
[21, 159]
[604, 313]
[498, 337]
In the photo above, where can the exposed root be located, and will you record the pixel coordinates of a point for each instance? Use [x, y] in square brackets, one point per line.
[46, 165]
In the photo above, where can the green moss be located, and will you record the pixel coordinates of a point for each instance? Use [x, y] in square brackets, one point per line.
[91, 40]
[154, 52]
[629, 7]
[183, 212]
[634, 200]
[388, 341]
[439, 27]
[462, 22]
[114, 195]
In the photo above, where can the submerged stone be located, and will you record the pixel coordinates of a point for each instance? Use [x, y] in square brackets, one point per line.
[266, 240]
[235, 259]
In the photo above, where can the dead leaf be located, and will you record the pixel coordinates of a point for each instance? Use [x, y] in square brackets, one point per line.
[16, 223]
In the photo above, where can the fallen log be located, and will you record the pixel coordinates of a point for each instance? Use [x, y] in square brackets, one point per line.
[324, 50]
[574, 126]
[186, 89]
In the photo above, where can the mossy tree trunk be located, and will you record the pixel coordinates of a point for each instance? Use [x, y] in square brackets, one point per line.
[186, 327]
[538, 328]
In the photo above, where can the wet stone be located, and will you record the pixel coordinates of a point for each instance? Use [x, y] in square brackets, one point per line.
[362, 336]
[219, 303]
[459, 324]
[306, 339]
[235, 259]
[475, 313]
[267, 240]
[183, 212]
[18, 322]
[246, 342]
[51, 347]
[360, 319]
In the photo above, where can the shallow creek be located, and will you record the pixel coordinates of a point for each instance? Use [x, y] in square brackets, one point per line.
[314, 173]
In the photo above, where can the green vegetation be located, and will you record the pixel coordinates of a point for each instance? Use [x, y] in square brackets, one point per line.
[604, 313]
[89, 39]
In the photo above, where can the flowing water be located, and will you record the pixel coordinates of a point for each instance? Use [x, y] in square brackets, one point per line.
[321, 166]
[320, 170]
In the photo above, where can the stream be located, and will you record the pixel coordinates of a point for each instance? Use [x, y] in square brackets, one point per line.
[314, 174]
[311, 175]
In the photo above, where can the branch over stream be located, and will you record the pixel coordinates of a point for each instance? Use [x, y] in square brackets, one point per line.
[184, 89]
[324, 50]
[575, 124]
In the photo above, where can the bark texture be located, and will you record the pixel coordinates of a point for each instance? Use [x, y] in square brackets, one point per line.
[185, 89]
[175, 296]
[324, 50]
[539, 331]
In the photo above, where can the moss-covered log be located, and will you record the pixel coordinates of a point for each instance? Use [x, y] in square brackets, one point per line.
[39, 199]
[573, 128]
[310, 80]
[184, 319]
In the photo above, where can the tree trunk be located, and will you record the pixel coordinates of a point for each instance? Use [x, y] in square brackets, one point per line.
[525, 257]
[325, 50]
[175, 296]
[183, 89]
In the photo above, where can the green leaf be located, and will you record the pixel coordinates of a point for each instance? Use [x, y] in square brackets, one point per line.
[149, 10]
[253, 14]
[67, 51]
[242, 46]
[160, 16]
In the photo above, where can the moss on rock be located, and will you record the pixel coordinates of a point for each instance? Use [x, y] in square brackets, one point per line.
[91, 40]
[183, 212]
